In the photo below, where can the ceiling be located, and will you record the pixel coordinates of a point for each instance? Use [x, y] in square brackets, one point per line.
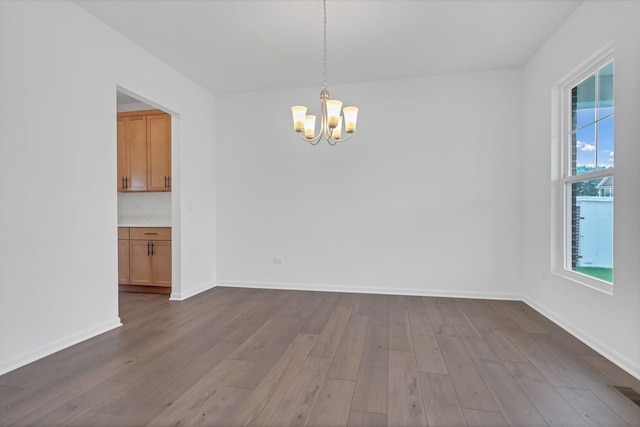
[123, 99]
[247, 45]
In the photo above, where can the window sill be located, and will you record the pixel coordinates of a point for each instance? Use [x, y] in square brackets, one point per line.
[581, 279]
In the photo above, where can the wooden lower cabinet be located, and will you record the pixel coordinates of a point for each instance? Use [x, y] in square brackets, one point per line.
[161, 268]
[149, 262]
[123, 262]
[141, 268]
[123, 255]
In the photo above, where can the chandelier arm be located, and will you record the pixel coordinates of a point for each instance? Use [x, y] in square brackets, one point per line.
[312, 141]
[342, 139]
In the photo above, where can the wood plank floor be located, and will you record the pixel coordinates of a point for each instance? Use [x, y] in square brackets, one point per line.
[281, 358]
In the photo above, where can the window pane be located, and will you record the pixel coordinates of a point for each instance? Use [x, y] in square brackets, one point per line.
[585, 150]
[605, 91]
[592, 228]
[605, 143]
[583, 106]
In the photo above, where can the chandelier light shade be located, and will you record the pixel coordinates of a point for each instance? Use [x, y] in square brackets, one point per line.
[350, 117]
[333, 118]
[299, 115]
[309, 126]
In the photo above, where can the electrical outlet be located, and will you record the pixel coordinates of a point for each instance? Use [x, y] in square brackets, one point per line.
[277, 261]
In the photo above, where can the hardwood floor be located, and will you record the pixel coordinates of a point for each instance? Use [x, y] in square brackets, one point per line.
[283, 358]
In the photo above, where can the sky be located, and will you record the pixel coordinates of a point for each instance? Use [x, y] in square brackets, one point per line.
[595, 141]
[595, 121]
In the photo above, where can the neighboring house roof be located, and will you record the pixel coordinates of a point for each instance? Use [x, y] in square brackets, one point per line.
[607, 182]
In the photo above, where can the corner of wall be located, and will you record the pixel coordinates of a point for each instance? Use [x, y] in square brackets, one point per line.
[181, 296]
[630, 366]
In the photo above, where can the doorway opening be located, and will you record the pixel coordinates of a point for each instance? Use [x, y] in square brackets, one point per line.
[147, 201]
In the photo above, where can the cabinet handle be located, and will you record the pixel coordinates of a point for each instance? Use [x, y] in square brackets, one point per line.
[165, 182]
[126, 182]
[153, 248]
[150, 234]
[122, 179]
[169, 187]
[148, 248]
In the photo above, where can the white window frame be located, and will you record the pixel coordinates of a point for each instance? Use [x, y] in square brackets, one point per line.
[561, 256]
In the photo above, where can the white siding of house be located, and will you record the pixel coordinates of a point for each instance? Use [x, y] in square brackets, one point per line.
[596, 232]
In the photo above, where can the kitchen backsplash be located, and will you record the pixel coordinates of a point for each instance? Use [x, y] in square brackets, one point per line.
[134, 205]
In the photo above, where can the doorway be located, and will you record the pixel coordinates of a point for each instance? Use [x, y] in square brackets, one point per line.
[147, 208]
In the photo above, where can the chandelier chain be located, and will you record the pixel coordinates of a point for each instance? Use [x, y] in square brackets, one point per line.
[324, 83]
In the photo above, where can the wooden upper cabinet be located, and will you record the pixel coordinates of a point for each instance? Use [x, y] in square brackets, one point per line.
[123, 158]
[159, 153]
[137, 140]
[144, 151]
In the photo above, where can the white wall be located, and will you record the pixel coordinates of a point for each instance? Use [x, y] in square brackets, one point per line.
[59, 69]
[610, 323]
[424, 198]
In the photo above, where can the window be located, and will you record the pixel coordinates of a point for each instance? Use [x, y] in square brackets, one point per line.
[588, 174]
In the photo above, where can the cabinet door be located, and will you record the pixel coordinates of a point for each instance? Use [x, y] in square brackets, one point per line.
[159, 137]
[137, 152]
[162, 263]
[123, 262]
[123, 155]
[140, 263]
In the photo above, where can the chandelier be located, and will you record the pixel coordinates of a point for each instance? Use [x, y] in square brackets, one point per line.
[331, 120]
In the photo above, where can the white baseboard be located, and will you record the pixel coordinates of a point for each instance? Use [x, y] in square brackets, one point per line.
[372, 290]
[181, 296]
[632, 367]
[57, 345]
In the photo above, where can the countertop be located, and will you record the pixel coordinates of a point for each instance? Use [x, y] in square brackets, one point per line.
[144, 221]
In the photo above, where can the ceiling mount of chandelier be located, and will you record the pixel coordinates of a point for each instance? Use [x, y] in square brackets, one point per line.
[331, 119]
